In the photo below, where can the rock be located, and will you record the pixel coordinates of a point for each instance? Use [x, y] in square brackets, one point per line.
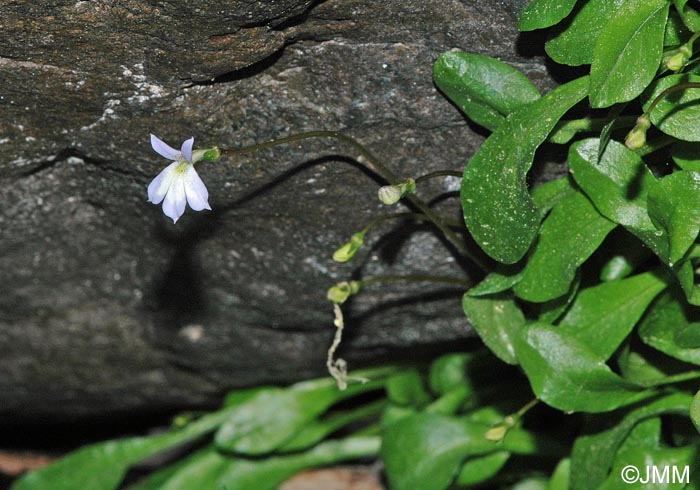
[107, 306]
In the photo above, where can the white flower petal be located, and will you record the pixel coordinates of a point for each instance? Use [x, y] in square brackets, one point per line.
[163, 149]
[175, 200]
[187, 149]
[159, 186]
[196, 191]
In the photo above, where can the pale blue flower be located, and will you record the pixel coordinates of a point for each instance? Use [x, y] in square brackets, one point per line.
[178, 184]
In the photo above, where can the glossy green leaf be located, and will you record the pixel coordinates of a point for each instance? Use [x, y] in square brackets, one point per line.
[268, 473]
[484, 88]
[498, 281]
[686, 155]
[626, 254]
[497, 320]
[653, 369]
[618, 185]
[593, 454]
[448, 372]
[676, 31]
[674, 206]
[628, 52]
[498, 209]
[602, 316]
[202, 472]
[314, 432]
[271, 417]
[103, 466]
[677, 114]
[690, 16]
[560, 476]
[548, 194]
[568, 236]
[695, 411]
[539, 14]
[407, 388]
[482, 468]
[566, 374]
[575, 43]
[550, 311]
[425, 451]
[666, 323]
[157, 479]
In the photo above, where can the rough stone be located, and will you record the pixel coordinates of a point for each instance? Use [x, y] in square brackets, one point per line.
[106, 306]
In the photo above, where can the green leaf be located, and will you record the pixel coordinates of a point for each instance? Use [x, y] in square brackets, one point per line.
[575, 43]
[550, 311]
[539, 14]
[695, 411]
[602, 316]
[593, 454]
[103, 466]
[626, 254]
[676, 31]
[271, 417]
[568, 375]
[498, 281]
[202, 472]
[678, 113]
[666, 323]
[448, 372]
[407, 388]
[628, 52]
[269, 472]
[548, 194]
[484, 88]
[497, 320]
[155, 480]
[568, 236]
[686, 155]
[618, 185]
[560, 477]
[482, 468]
[690, 16]
[424, 451]
[674, 206]
[498, 209]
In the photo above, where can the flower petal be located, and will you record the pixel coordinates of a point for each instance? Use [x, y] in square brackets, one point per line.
[187, 149]
[163, 149]
[196, 191]
[175, 200]
[159, 186]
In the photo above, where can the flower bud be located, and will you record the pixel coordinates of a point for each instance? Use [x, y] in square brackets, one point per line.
[347, 251]
[677, 58]
[206, 155]
[636, 138]
[497, 433]
[339, 293]
[391, 194]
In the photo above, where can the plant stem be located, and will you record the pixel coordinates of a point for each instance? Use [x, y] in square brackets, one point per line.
[438, 173]
[669, 91]
[416, 278]
[374, 164]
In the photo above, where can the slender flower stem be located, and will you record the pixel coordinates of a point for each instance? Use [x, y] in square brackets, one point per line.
[438, 173]
[375, 164]
[416, 278]
[669, 91]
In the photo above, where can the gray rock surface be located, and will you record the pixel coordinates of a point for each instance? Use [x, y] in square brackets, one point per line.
[106, 306]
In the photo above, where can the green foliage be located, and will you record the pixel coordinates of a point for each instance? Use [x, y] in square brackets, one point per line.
[498, 209]
[589, 307]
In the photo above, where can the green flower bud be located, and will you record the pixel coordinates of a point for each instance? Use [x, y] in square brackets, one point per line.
[391, 194]
[636, 138]
[206, 155]
[497, 433]
[347, 251]
[676, 59]
[339, 293]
